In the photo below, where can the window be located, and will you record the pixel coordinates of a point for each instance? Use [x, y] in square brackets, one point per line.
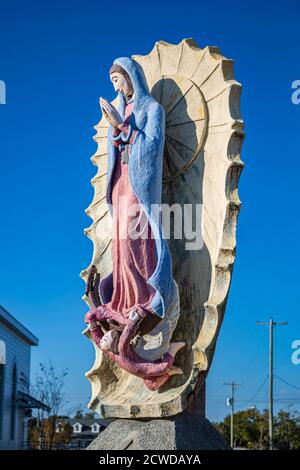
[2, 371]
[2, 352]
[13, 404]
[95, 427]
[2, 366]
[77, 427]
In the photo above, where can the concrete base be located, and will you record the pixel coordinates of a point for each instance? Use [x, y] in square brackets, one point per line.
[184, 431]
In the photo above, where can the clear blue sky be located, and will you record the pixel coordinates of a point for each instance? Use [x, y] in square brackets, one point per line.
[55, 58]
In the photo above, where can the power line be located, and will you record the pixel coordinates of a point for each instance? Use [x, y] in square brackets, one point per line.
[275, 399]
[295, 400]
[287, 383]
[257, 392]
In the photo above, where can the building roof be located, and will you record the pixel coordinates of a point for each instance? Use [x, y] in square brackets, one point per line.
[26, 401]
[89, 421]
[13, 324]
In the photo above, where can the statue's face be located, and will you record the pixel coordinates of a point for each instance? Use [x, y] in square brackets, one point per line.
[109, 341]
[121, 84]
[106, 342]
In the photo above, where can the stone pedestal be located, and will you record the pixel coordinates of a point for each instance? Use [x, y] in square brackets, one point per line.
[185, 431]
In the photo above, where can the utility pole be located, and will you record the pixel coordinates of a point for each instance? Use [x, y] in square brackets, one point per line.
[231, 402]
[271, 324]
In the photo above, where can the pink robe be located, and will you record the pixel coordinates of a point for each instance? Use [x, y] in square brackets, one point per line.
[134, 260]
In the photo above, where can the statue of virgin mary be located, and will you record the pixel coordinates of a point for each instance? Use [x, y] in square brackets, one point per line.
[140, 295]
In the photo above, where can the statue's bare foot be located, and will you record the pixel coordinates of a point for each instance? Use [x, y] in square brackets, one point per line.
[175, 347]
[175, 370]
[159, 382]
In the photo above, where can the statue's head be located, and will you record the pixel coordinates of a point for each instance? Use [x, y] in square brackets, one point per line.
[109, 341]
[121, 81]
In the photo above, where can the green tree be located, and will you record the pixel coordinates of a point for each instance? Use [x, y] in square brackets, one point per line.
[287, 431]
[251, 430]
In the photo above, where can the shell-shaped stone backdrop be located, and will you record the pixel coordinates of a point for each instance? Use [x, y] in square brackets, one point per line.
[202, 165]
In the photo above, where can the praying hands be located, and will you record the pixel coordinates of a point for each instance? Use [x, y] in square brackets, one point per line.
[110, 113]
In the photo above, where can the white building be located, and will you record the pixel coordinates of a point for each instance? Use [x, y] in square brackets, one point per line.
[84, 430]
[15, 401]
